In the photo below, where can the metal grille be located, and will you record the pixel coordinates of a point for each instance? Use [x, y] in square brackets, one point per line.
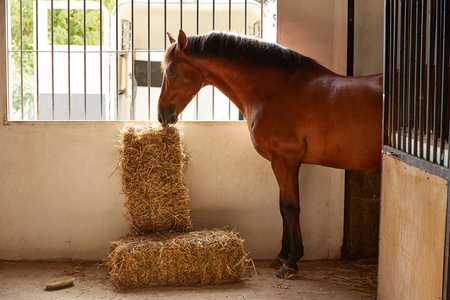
[83, 60]
[416, 78]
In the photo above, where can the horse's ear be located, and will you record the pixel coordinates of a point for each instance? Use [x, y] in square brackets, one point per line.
[182, 40]
[171, 38]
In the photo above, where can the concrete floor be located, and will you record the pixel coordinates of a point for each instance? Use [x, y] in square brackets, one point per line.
[316, 280]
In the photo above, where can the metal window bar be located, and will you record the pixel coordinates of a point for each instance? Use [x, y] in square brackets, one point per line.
[436, 70]
[416, 79]
[229, 29]
[419, 67]
[197, 30]
[181, 27]
[21, 61]
[101, 59]
[53, 65]
[165, 25]
[117, 59]
[401, 78]
[411, 71]
[445, 80]
[149, 71]
[68, 59]
[422, 84]
[37, 60]
[84, 61]
[391, 58]
[54, 50]
[213, 28]
[386, 64]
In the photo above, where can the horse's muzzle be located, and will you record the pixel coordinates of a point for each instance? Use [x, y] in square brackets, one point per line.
[167, 116]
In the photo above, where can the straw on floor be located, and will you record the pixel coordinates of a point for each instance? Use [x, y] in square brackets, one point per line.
[202, 257]
[151, 165]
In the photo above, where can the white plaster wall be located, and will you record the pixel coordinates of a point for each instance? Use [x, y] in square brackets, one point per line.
[59, 201]
[369, 23]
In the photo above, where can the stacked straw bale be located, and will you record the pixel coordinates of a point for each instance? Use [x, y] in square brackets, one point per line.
[151, 165]
[196, 258]
[162, 251]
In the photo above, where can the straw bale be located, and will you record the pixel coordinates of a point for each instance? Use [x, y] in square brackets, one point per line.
[177, 259]
[151, 164]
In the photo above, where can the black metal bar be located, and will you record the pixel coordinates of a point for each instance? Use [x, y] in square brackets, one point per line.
[437, 76]
[213, 28]
[101, 60]
[165, 25]
[53, 65]
[37, 59]
[387, 79]
[400, 106]
[84, 43]
[149, 63]
[445, 114]
[117, 60]
[430, 75]
[21, 59]
[229, 29]
[394, 78]
[443, 65]
[133, 113]
[229, 15]
[409, 69]
[350, 36]
[68, 59]
[197, 17]
[197, 32]
[245, 15]
[422, 71]
[386, 70]
[405, 62]
[417, 16]
[446, 82]
[181, 27]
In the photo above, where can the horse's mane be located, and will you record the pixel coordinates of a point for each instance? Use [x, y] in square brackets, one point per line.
[252, 50]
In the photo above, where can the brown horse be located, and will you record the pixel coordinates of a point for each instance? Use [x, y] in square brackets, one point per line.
[297, 111]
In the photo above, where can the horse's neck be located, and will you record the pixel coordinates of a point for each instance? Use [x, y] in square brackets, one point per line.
[237, 80]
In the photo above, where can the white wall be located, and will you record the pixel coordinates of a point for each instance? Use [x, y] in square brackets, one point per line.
[369, 22]
[58, 200]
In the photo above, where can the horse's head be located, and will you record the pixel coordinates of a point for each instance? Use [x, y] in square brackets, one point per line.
[181, 81]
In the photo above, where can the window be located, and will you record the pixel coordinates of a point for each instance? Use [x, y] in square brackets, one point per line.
[82, 60]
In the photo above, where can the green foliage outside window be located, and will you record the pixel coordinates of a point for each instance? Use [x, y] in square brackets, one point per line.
[59, 37]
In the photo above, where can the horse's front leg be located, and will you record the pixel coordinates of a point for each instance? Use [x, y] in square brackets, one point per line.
[285, 244]
[286, 173]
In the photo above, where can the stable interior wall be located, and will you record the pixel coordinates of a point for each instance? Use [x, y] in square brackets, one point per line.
[59, 199]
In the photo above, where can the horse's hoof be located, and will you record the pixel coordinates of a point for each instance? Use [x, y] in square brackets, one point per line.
[286, 273]
[277, 262]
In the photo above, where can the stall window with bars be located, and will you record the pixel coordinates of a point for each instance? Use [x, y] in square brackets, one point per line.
[83, 60]
[416, 78]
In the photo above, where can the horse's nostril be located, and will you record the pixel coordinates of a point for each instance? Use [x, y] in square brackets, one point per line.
[173, 119]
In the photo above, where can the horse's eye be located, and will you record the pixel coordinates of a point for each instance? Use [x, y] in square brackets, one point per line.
[170, 73]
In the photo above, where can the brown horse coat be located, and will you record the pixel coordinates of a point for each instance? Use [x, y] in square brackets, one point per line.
[297, 111]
